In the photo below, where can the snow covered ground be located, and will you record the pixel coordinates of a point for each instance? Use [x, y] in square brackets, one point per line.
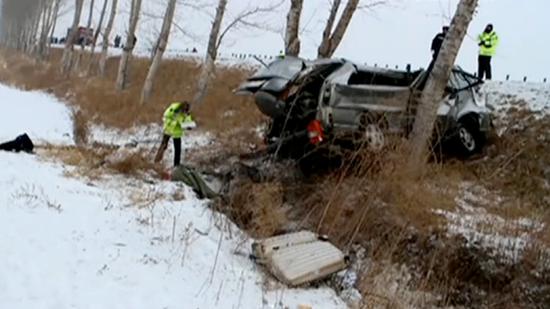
[532, 96]
[38, 114]
[116, 242]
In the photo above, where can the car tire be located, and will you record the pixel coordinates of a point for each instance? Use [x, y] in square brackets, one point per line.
[372, 133]
[469, 139]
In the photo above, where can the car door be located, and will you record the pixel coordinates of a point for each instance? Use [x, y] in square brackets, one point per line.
[354, 98]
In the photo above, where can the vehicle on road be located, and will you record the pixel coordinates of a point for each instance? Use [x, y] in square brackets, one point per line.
[339, 103]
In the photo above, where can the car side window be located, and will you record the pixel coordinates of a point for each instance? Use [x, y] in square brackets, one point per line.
[461, 81]
[454, 82]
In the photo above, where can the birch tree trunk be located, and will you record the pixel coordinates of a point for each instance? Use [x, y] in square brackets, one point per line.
[66, 60]
[43, 28]
[50, 12]
[32, 35]
[54, 21]
[89, 24]
[292, 37]
[426, 114]
[122, 77]
[105, 47]
[96, 35]
[332, 39]
[211, 54]
[162, 42]
[323, 48]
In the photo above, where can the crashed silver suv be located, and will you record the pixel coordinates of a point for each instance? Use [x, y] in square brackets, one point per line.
[339, 103]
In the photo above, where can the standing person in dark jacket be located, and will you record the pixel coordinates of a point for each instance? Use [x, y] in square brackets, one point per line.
[438, 41]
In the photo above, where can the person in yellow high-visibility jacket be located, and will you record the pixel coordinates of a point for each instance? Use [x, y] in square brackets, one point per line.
[175, 117]
[488, 42]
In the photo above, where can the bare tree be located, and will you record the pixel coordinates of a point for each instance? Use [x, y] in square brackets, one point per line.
[211, 53]
[292, 39]
[331, 39]
[244, 18]
[69, 46]
[96, 34]
[434, 90]
[55, 16]
[122, 77]
[160, 47]
[89, 24]
[86, 40]
[332, 36]
[20, 23]
[106, 34]
[46, 8]
[49, 14]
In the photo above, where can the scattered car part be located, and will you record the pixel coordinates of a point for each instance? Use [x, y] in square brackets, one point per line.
[299, 258]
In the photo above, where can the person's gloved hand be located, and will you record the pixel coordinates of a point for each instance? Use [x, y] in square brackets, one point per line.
[480, 43]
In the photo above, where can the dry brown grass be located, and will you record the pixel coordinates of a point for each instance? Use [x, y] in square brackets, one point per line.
[258, 208]
[100, 102]
[81, 129]
[97, 160]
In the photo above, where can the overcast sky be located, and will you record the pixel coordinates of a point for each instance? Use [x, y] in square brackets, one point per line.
[396, 34]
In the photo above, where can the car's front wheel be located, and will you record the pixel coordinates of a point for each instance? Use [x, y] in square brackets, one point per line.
[470, 140]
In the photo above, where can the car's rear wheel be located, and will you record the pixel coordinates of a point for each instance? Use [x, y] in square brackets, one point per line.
[374, 137]
[469, 139]
[372, 133]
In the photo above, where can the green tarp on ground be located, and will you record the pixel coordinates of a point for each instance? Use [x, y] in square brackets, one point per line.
[193, 179]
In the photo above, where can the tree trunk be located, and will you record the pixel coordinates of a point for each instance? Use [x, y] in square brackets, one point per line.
[49, 13]
[426, 114]
[89, 24]
[162, 42]
[292, 37]
[208, 67]
[54, 22]
[325, 42]
[36, 17]
[69, 47]
[332, 41]
[96, 35]
[122, 78]
[105, 47]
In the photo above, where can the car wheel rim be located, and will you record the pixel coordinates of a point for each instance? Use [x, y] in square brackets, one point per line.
[467, 139]
[374, 137]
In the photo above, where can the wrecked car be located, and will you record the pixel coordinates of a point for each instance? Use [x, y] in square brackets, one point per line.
[337, 102]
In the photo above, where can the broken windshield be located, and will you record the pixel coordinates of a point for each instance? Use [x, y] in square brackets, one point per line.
[286, 68]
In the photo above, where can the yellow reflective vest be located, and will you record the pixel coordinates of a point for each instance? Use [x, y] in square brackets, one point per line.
[488, 43]
[174, 119]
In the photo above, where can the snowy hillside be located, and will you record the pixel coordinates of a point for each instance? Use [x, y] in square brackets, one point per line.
[116, 242]
[534, 96]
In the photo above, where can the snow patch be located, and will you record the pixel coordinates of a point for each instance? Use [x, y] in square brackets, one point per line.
[40, 115]
[507, 238]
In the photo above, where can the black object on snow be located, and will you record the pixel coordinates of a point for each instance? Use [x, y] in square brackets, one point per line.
[20, 143]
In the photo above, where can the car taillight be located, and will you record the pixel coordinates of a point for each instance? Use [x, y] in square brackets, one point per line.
[315, 132]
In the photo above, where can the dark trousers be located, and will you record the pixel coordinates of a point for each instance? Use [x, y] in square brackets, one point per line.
[164, 145]
[484, 67]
